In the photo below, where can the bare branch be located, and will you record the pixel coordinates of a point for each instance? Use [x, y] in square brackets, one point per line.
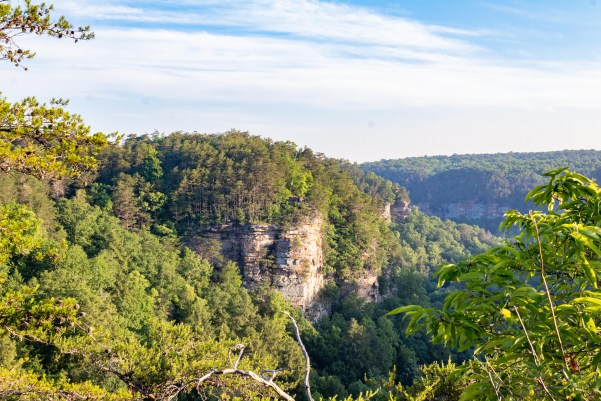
[273, 372]
[534, 355]
[241, 348]
[231, 371]
[265, 377]
[305, 353]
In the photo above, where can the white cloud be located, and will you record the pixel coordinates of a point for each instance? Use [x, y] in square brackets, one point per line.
[331, 66]
[196, 65]
[308, 19]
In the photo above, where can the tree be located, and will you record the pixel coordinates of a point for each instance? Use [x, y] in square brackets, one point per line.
[531, 307]
[37, 139]
[32, 19]
[26, 318]
[45, 141]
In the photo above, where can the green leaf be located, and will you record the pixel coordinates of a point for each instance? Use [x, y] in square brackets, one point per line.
[587, 300]
[470, 276]
[590, 324]
[411, 327]
[404, 309]
[535, 191]
[587, 242]
[473, 392]
[590, 273]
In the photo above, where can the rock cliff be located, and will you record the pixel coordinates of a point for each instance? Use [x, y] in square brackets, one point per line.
[400, 210]
[466, 209]
[396, 211]
[289, 259]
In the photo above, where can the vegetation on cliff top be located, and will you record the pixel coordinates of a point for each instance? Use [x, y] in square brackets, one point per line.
[185, 182]
[503, 179]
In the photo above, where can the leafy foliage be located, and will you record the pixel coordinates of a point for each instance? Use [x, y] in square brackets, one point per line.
[190, 181]
[150, 316]
[530, 308]
[358, 341]
[100, 300]
[499, 180]
[139, 328]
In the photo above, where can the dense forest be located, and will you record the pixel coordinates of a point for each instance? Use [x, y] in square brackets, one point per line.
[112, 242]
[501, 180]
[183, 181]
[101, 298]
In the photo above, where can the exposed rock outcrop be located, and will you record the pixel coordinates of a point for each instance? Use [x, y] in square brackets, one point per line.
[365, 286]
[386, 213]
[290, 260]
[467, 209]
[400, 210]
[395, 211]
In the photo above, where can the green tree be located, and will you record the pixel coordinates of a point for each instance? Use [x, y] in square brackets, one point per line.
[530, 308]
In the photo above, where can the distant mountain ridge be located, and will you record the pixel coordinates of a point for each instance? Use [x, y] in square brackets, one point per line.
[479, 188]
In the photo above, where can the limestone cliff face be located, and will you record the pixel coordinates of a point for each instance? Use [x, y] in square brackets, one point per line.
[290, 260]
[365, 286]
[467, 209]
[386, 213]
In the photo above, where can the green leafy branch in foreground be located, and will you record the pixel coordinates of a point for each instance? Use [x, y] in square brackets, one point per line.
[530, 308]
[36, 139]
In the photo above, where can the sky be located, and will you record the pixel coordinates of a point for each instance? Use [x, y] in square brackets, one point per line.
[360, 80]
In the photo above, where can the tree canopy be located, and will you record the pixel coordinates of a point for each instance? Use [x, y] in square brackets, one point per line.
[497, 181]
[45, 141]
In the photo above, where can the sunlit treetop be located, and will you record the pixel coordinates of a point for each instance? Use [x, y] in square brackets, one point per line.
[45, 141]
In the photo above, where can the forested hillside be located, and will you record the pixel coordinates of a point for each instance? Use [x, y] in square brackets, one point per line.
[479, 188]
[181, 182]
[106, 248]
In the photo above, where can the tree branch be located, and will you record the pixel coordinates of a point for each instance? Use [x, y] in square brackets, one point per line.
[265, 377]
[305, 353]
[231, 371]
[542, 274]
[261, 378]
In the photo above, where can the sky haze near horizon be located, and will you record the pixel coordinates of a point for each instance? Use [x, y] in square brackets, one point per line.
[360, 80]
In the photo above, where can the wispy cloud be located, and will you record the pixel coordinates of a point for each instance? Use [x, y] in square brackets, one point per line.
[257, 63]
[538, 12]
[307, 19]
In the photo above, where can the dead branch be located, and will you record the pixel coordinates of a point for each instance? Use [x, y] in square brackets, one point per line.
[261, 378]
[305, 353]
[265, 377]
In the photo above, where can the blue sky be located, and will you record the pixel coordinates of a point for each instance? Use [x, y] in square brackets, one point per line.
[362, 80]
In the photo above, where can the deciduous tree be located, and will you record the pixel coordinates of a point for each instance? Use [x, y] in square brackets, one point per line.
[530, 308]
